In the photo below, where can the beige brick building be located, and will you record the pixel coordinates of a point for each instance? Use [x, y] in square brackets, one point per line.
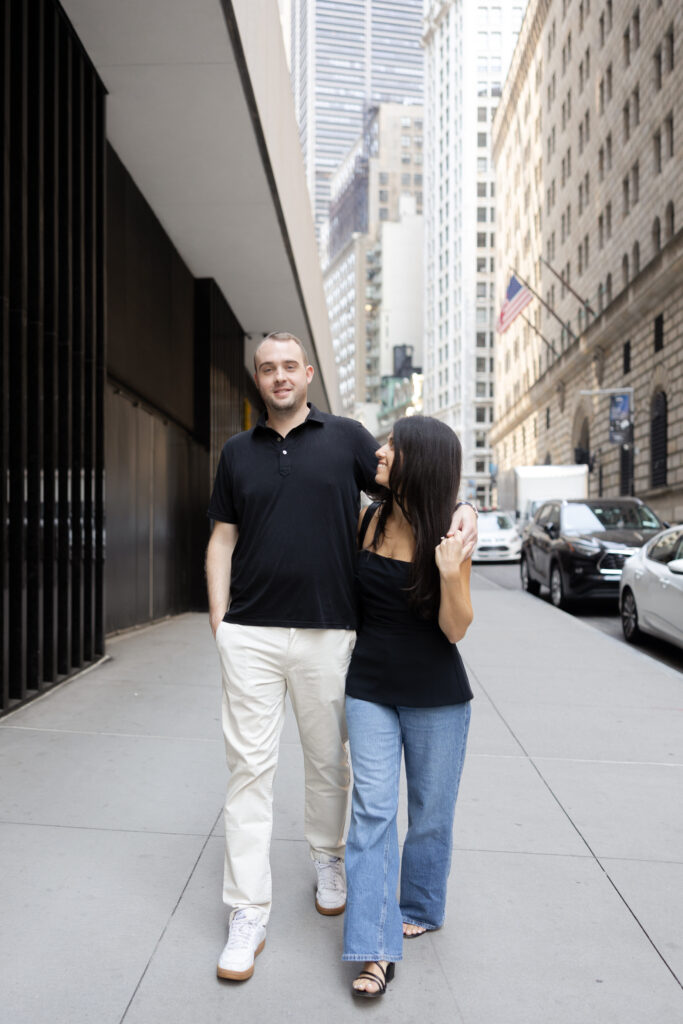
[587, 145]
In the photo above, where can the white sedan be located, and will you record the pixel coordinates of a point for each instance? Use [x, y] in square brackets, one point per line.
[498, 539]
[651, 589]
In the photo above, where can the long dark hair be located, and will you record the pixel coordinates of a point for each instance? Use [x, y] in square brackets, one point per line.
[424, 481]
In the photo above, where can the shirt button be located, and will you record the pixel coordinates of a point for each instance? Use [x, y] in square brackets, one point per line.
[284, 451]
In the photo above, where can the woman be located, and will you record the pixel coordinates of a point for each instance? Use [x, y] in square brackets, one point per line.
[406, 689]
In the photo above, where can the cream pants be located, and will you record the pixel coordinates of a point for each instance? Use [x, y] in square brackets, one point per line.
[261, 664]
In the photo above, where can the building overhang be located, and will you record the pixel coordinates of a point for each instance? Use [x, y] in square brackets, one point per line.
[200, 111]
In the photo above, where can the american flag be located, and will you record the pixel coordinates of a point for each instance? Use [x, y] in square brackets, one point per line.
[517, 298]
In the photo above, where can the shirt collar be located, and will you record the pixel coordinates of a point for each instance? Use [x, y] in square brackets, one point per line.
[314, 416]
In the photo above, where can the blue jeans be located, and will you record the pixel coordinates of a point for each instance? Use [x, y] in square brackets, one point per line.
[434, 741]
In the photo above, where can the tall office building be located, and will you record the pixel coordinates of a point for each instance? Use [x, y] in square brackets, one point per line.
[345, 56]
[468, 46]
[373, 267]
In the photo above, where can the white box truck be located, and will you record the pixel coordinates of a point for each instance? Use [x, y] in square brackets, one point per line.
[524, 488]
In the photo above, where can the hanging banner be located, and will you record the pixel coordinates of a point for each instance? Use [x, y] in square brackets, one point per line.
[620, 423]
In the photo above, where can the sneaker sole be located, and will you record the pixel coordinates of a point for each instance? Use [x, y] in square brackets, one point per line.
[240, 975]
[330, 911]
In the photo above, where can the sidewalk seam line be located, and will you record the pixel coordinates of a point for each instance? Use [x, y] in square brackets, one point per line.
[171, 916]
[576, 828]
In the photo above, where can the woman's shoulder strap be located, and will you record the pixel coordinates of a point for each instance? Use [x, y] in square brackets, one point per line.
[367, 519]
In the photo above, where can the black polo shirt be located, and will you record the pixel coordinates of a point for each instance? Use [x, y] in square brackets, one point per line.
[296, 503]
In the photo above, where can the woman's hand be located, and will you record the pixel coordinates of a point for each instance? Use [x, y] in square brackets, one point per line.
[451, 553]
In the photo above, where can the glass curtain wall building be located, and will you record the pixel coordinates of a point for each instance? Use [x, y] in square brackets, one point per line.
[468, 47]
[345, 57]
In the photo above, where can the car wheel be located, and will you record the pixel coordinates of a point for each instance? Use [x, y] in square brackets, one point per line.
[629, 617]
[557, 595]
[531, 586]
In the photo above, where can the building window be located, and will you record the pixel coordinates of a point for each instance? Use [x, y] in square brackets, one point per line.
[624, 269]
[657, 63]
[627, 357]
[657, 147]
[669, 135]
[636, 258]
[481, 339]
[635, 183]
[625, 190]
[547, 418]
[669, 47]
[383, 213]
[383, 178]
[658, 440]
[669, 220]
[659, 333]
[383, 196]
[481, 140]
[656, 236]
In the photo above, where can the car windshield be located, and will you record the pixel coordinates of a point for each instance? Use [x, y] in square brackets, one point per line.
[495, 521]
[578, 518]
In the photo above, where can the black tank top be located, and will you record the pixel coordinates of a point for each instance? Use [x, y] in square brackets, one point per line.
[399, 658]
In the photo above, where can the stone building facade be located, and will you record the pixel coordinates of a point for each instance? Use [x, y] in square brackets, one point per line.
[586, 145]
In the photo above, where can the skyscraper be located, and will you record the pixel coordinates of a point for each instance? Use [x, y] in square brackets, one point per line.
[468, 46]
[345, 56]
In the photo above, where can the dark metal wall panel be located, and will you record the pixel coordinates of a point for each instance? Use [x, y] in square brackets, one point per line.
[18, 271]
[51, 350]
[35, 511]
[50, 334]
[156, 522]
[4, 350]
[151, 295]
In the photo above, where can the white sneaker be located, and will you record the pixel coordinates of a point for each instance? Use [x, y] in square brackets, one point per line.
[330, 898]
[246, 940]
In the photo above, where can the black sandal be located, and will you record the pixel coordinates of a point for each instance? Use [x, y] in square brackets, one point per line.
[381, 982]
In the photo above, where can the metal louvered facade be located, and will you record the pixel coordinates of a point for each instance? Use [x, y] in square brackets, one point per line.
[52, 282]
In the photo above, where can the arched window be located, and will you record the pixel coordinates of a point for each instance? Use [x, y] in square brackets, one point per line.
[624, 269]
[608, 290]
[656, 236]
[658, 440]
[669, 221]
[636, 258]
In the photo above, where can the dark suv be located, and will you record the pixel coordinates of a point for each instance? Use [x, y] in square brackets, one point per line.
[578, 548]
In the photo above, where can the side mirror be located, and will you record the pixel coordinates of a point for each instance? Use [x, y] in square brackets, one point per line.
[676, 566]
[549, 529]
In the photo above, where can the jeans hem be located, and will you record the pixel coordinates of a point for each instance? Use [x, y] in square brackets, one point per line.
[422, 924]
[362, 958]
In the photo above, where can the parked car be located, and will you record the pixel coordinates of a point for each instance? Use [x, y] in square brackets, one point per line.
[579, 548]
[499, 540]
[651, 589]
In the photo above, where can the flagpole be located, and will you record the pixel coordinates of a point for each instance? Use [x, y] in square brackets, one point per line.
[584, 302]
[544, 303]
[544, 339]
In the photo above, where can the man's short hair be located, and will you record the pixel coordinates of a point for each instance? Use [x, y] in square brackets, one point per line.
[282, 336]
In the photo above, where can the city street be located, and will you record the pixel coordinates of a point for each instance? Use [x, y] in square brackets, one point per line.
[600, 615]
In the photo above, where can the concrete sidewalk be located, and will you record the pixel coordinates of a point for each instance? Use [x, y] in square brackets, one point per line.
[566, 893]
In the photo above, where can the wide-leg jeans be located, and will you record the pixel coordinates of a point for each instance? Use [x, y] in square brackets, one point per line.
[433, 741]
[260, 665]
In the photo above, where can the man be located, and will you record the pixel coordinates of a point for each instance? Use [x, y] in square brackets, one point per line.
[280, 573]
